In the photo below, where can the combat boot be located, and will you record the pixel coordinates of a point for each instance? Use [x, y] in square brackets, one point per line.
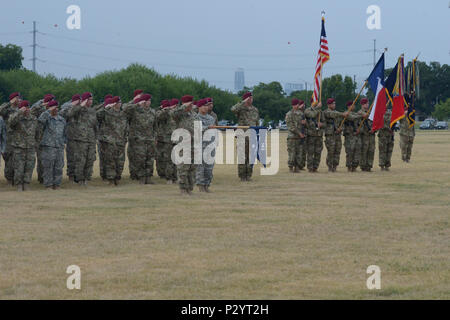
[56, 187]
[382, 168]
[111, 182]
[26, 187]
[296, 170]
[291, 169]
[116, 181]
[201, 188]
[20, 187]
[183, 192]
[142, 180]
[148, 180]
[207, 189]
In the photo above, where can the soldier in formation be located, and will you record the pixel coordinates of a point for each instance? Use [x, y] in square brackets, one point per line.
[314, 141]
[367, 137]
[352, 141]
[247, 115]
[296, 135]
[407, 134]
[385, 142]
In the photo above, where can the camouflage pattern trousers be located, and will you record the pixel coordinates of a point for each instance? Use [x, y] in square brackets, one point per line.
[9, 163]
[245, 170]
[367, 150]
[406, 144]
[165, 159]
[385, 147]
[101, 160]
[113, 160]
[143, 158]
[84, 158]
[161, 159]
[334, 145]
[23, 162]
[295, 152]
[204, 174]
[52, 160]
[186, 176]
[39, 168]
[314, 146]
[70, 156]
[352, 146]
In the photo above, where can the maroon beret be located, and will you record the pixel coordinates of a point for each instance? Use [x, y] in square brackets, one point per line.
[349, 103]
[107, 96]
[145, 97]
[165, 103]
[300, 102]
[187, 98]
[194, 102]
[116, 99]
[86, 96]
[295, 102]
[24, 103]
[138, 91]
[209, 100]
[76, 97]
[108, 101]
[246, 95]
[48, 98]
[364, 100]
[201, 102]
[52, 103]
[330, 101]
[13, 95]
[174, 102]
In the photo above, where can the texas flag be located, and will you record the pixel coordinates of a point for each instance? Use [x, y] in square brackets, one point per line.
[376, 82]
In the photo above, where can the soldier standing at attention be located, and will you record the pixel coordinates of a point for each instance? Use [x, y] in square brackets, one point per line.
[2, 136]
[367, 138]
[303, 152]
[210, 104]
[296, 135]
[37, 109]
[352, 141]
[184, 118]
[142, 122]
[70, 135]
[407, 134]
[166, 125]
[314, 141]
[85, 138]
[386, 142]
[6, 110]
[99, 149]
[53, 128]
[130, 151]
[247, 115]
[204, 172]
[113, 138]
[160, 147]
[333, 142]
[24, 138]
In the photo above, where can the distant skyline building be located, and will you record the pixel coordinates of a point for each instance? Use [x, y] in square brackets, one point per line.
[239, 80]
[291, 87]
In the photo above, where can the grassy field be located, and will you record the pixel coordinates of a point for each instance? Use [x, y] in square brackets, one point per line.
[287, 236]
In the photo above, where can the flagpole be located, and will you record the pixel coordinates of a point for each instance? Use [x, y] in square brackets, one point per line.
[353, 104]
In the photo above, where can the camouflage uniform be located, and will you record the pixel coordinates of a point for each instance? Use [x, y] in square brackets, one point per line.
[23, 142]
[214, 115]
[314, 141]
[53, 130]
[166, 125]
[84, 140]
[367, 138]
[36, 110]
[2, 135]
[112, 138]
[186, 171]
[70, 135]
[385, 142]
[352, 141]
[99, 145]
[295, 143]
[161, 148]
[204, 172]
[406, 139]
[6, 110]
[246, 116]
[141, 140]
[333, 141]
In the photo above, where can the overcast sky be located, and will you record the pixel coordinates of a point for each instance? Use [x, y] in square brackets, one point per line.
[209, 39]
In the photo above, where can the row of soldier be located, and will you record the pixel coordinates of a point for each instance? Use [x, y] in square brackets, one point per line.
[44, 129]
[306, 128]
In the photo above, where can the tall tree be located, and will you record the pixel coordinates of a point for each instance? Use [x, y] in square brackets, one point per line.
[10, 57]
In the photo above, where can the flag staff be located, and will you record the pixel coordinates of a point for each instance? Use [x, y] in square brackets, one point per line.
[353, 104]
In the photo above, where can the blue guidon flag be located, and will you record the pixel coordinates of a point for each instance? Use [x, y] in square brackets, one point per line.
[376, 82]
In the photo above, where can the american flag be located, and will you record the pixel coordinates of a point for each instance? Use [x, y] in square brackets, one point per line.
[322, 57]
